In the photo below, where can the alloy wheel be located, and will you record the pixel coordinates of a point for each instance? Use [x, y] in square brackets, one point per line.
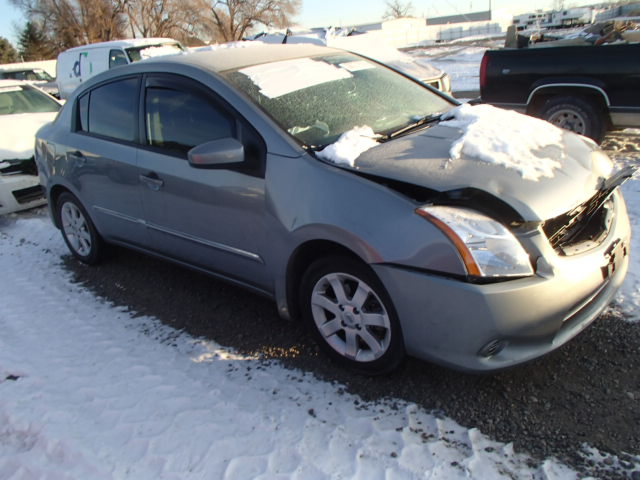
[351, 317]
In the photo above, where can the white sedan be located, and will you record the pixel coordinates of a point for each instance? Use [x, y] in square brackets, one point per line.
[23, 110]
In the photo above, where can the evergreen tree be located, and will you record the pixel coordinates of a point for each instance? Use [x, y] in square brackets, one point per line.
[8, 54]
[33, 44]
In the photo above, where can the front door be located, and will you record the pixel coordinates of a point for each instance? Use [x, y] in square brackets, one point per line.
[209, 217]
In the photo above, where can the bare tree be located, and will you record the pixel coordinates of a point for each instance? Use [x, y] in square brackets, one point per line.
[397, 9]
[70, 23]
[160, 18]
[233, 19]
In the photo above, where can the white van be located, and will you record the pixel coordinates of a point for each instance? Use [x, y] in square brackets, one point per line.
[81, 63]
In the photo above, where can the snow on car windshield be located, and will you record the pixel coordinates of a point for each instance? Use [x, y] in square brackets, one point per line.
[318, 99]
[528, 145]
[301, 72]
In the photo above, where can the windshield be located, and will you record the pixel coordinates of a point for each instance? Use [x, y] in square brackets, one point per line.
[31, 75]
[318, 99]
[25, 99]
[156, 50]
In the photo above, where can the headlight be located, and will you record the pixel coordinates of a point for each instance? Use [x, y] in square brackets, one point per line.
[485, 246]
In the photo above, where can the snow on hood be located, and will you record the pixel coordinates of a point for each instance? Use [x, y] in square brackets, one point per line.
[528, 145]
[424, 158]
[350, 146]
[19, 132]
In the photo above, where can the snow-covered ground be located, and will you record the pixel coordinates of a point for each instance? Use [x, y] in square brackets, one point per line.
[87, 391]
[90, 391]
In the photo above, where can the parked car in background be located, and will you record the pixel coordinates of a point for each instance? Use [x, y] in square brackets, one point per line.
[78, 64]
[35, 76]
[341, 189]
[586, 89]
[23, 110]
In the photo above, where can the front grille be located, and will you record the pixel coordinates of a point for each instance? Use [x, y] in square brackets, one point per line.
[583, 228]
[29, 194]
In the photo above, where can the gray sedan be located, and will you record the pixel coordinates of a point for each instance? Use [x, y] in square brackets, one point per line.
[238, 163]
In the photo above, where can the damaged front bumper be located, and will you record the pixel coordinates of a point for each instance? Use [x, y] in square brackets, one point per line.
[19, 186]
[485, 327]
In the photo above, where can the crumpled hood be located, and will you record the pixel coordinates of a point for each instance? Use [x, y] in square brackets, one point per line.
[424, 159]
[19, 133]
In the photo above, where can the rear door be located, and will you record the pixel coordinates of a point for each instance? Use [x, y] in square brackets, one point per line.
[101, 159]
[209, 217]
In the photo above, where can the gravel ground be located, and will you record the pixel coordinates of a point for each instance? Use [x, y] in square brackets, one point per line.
[586, 392]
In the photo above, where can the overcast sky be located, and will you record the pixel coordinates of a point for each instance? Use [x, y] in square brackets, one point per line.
[320, 13]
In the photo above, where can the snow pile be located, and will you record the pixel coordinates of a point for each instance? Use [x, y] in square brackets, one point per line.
[350, 146]
[89, 391]
[159, 51]
[518, 142]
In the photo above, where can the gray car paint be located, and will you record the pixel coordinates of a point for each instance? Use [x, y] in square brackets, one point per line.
[247, 229]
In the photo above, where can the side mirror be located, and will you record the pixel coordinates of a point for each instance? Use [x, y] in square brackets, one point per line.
[224, 151]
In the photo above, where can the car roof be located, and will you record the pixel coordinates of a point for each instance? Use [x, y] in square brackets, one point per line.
[18, 68]
[222, 59]
[127, 42]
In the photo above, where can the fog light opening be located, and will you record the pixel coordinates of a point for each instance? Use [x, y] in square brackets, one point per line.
[492, 348]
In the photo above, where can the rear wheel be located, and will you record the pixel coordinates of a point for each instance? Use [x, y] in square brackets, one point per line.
[575, 114]
[350, 314]
[78, 230]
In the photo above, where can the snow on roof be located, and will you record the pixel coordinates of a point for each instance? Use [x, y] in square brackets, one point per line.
[519, 142]
[128, 42]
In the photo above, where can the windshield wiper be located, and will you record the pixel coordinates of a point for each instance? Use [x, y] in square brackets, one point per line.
[427, 119]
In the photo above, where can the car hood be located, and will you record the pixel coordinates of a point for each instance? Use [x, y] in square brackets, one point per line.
[424, 159]
[19, 133]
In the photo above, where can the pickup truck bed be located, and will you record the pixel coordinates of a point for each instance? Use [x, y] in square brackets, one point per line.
[587, 89]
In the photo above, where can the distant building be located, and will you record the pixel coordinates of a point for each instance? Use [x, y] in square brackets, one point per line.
[462, 18]
[555, 19]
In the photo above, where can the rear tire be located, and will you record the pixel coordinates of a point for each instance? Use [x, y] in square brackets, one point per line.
[78, 231]
[575, 114]
[350, 314]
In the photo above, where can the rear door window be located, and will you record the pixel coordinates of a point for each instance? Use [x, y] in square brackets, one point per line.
[111, 110]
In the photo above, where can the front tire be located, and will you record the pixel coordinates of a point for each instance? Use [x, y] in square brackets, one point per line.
[350, 314]
[575, 114]
[78, 231]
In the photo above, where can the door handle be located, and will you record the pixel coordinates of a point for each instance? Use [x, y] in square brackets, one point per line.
[152, 181]
[78, 158]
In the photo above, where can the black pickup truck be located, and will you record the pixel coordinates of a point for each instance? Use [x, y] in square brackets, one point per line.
[587, 89]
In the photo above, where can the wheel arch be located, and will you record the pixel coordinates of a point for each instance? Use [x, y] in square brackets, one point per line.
[54, 195]
[303, 256]
[592, 93]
